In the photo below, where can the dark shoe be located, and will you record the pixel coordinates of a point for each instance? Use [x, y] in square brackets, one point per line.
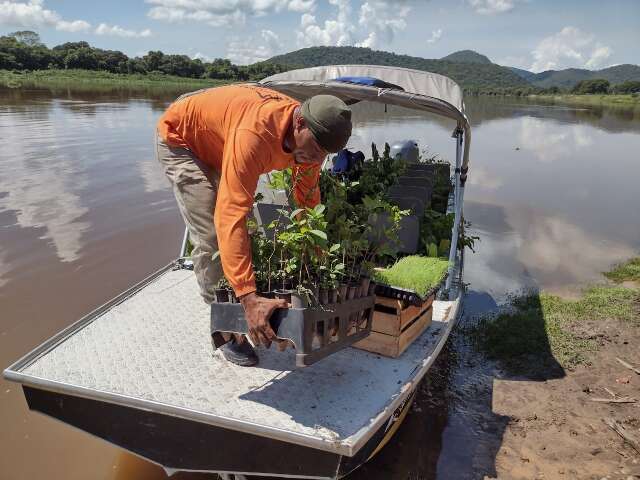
[241, 354]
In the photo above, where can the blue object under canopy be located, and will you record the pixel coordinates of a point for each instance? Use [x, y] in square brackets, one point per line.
[368, 81]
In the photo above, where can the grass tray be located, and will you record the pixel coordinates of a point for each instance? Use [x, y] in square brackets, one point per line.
[405, 295]
[412, 279]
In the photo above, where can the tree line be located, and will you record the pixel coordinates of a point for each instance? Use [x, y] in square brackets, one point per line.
[24, 51]
[583, 87]
[602, 86]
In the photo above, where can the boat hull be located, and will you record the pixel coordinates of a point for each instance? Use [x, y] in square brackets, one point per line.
[178, 444]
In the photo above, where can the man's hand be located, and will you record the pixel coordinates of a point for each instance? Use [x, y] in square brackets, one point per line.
[257, 311]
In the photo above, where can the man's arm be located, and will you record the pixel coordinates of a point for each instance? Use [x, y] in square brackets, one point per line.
[244, 154]
[241, 162]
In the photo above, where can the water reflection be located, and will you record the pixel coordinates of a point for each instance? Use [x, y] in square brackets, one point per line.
[485, 179]
[41, 178]
[69, 155]
[545, 193]
[523, 248]
[551, 141]
[482, 110]
[152, 176]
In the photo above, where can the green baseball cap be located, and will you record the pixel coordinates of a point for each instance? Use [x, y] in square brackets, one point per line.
[329, 119]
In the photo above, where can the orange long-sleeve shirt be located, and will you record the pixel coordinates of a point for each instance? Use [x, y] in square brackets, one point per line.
[239, 130]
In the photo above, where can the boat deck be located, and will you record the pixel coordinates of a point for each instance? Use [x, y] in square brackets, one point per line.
[152, 350]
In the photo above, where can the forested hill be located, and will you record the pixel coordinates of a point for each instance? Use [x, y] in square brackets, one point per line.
[469, 75]
[569, 77]
[466, 56]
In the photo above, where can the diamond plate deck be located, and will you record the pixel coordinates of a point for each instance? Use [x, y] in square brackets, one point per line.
[153, 351]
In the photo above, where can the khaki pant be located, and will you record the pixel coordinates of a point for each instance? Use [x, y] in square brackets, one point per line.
[195, 186]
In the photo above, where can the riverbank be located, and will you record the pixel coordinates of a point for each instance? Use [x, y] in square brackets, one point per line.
[564, 375]
[89, 80]
[623, 101]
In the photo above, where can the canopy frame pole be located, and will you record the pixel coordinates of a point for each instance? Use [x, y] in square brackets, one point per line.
[457, 199]
[183, 247]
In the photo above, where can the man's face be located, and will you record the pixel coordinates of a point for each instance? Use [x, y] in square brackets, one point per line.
[307, 149]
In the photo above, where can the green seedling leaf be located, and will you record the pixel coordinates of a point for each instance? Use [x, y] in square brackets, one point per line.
[320, 208]
[319, 234]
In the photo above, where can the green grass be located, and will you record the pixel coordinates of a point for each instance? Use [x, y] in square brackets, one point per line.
[416, 273]
[544, 325]
[624, 101]
[100, 80]
[628, 271]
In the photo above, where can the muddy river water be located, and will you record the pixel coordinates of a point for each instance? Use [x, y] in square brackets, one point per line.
[85, 213]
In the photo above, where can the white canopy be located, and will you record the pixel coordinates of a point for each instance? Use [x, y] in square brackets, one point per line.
[421, 90]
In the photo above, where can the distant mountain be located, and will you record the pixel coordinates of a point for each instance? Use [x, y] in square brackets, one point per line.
[569, 77]
[526, 74]
[466, 56]
[471, 70]
[476, 75]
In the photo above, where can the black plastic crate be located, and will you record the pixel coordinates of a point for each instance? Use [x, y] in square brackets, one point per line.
[309, 329]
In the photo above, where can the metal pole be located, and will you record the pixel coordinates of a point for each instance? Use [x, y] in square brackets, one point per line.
[457, 196]
[183, 248]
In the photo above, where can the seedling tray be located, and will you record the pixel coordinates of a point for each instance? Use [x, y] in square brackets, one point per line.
[309, 329]
[416, 181]
[408, 234]
[422, 192]
[409, 296]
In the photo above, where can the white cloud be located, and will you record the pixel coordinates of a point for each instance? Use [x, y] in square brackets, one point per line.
[515, 61]
[569, 48]
[378, 22]
[116, 31]
[75, 26]
[492, 7]
[178, 15]
[435, 36]
[202, 56]
[222, 13]
[302, 5]
[598, 56]
[33, 15]
[307, 19]
[251, 50]
[336, 32]
[383, 20]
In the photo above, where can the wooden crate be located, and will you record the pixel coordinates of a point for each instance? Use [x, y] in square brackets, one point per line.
[393, 333]
[392, 317]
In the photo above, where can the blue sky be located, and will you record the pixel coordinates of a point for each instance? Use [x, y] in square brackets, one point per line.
[532, 34]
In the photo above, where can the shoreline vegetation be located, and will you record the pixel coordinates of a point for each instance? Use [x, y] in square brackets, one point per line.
[539, 324]
[78, 79]
[591, 100]
[81, 80]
